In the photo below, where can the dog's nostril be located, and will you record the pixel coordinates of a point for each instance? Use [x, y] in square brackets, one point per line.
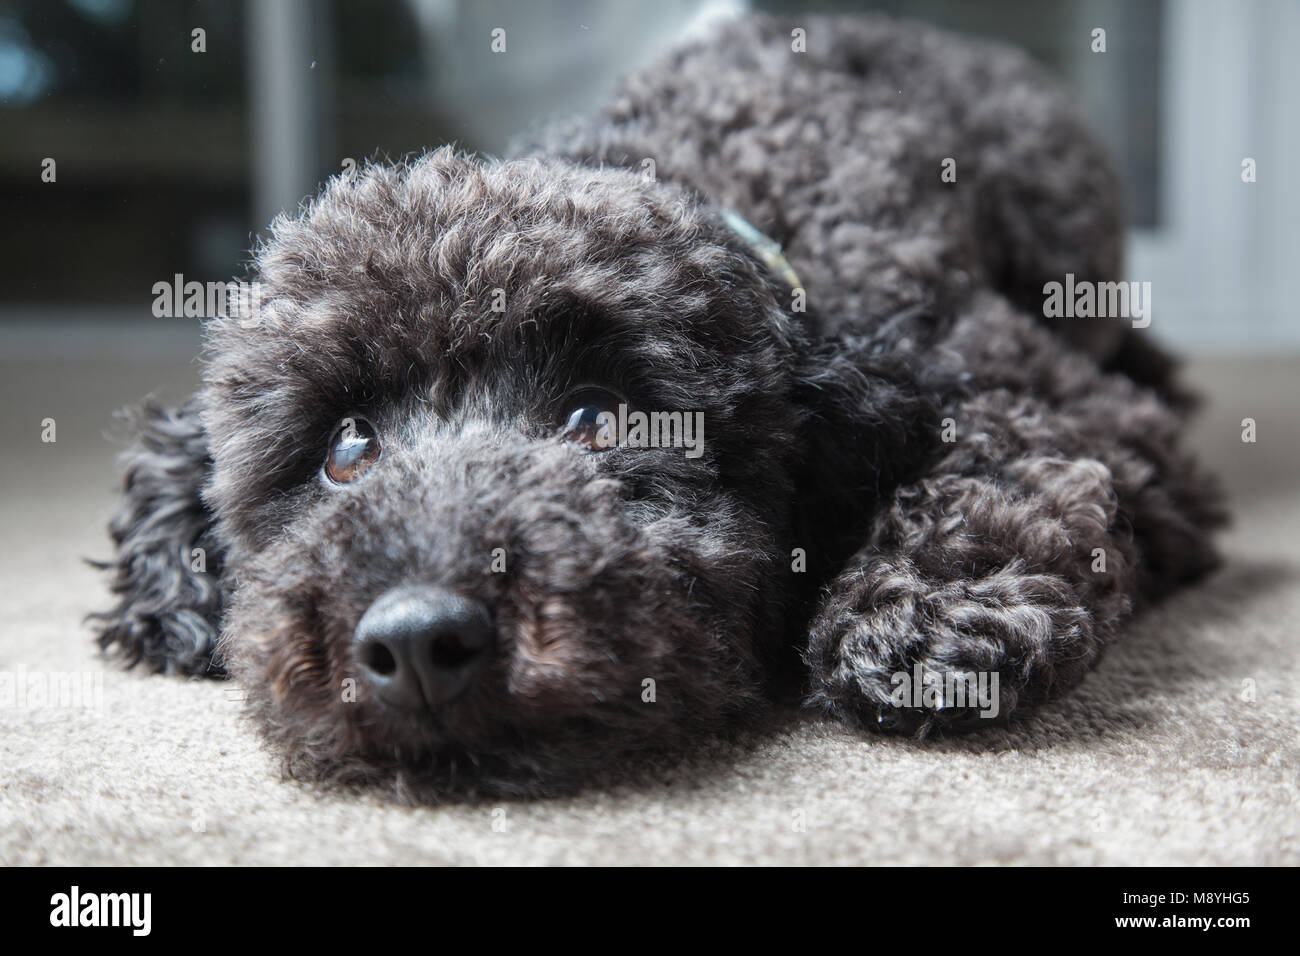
[449, 651]
[378, 659]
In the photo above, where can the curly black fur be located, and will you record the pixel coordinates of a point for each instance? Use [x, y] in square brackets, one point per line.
[167, 572]
[824, 425]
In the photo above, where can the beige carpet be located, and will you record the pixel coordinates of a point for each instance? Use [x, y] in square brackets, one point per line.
[1161, 757]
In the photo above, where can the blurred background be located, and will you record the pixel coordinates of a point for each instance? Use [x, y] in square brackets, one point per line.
[173, 147]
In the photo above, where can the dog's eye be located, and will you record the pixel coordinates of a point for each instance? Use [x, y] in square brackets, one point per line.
[592, 422]
[353, 449]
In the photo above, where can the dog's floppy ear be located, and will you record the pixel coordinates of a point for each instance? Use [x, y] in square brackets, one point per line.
[167, 570]
[870, 424]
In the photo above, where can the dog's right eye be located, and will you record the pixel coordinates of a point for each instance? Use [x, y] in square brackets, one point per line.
[584, 428]
[353, 449]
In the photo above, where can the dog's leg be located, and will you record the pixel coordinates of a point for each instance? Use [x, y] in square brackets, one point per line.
[167, 567]
[1054, 503]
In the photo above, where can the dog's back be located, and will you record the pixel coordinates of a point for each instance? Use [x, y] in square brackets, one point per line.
[896, 164]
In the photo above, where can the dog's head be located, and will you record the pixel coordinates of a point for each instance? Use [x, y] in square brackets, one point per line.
[455, 545]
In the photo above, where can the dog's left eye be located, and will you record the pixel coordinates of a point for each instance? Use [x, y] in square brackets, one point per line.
[353, 449]
[591, 424]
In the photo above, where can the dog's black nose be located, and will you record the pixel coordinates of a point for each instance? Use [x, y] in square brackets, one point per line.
[422, 646]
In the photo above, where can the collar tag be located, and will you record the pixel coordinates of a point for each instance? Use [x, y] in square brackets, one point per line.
[767, 249]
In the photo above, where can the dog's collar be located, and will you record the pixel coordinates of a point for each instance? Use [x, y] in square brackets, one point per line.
[767, 249]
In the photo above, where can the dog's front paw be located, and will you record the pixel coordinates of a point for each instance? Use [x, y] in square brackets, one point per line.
[893, 650]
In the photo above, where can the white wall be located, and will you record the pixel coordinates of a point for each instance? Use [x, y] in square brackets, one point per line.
[1221, 269]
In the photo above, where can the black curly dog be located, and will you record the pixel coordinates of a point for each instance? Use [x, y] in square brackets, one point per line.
[426, 567]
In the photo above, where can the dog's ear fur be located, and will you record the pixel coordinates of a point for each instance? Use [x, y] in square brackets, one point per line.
[167, 569]
[871, 424]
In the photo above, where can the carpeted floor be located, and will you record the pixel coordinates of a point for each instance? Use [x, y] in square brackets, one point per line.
[1163, 756]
